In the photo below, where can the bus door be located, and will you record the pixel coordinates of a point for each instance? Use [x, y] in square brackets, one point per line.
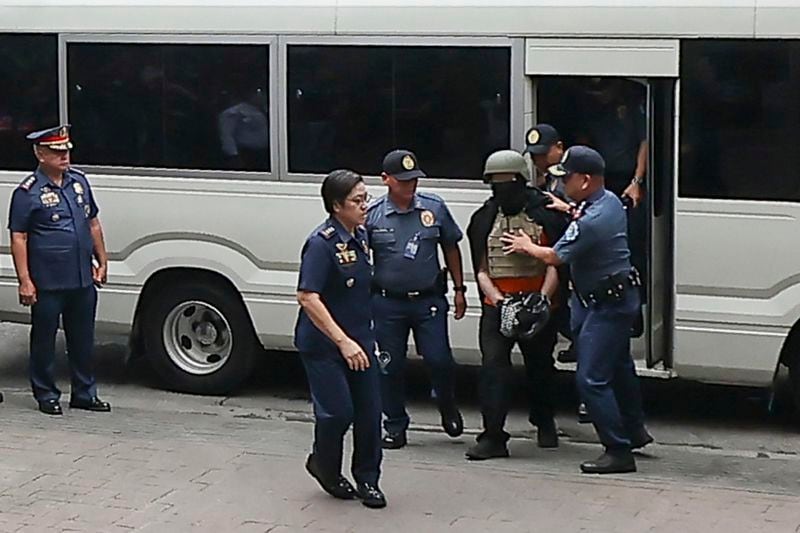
[618, 96]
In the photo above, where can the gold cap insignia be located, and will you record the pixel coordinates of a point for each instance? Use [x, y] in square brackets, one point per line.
[408, 162]
[533, 136]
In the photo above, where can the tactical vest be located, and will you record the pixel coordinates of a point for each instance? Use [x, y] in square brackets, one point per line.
[513, 265]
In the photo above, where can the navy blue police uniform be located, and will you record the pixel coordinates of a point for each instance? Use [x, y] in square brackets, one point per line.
[538, 141]
[56, 219]
[409, 290]
[336, 265]
[604, 304]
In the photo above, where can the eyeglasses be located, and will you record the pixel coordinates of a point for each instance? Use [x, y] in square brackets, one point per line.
[361, 199]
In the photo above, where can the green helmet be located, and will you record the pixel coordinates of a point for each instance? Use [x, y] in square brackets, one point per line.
[505, 162]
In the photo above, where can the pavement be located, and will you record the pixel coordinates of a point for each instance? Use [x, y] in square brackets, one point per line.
[168, 462]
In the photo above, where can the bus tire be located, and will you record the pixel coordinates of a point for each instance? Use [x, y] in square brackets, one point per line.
[199, 338]
[794, 379]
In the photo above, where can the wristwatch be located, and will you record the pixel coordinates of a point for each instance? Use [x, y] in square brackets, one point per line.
[460, 288]
[638, 180]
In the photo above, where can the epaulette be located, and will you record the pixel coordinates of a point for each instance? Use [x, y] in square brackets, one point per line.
[28, 182]
[77, 171]
[328, 232]
[430, 196]
[374, 203]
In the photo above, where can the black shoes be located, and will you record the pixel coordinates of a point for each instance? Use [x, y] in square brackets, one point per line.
[394, 441]
[452, 421]
[341, 488]
[641, 438]
[583, 414]
[567, 356]
[547, 435]
[618, 462]
[487, 449]
[95, 404]
[50, 407]
[371, 496]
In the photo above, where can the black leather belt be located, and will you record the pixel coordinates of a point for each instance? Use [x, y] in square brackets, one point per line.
[610, 289]
[410, 295]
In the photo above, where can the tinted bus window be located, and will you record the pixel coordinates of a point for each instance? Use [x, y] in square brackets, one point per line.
[739, 116]
[28, 94]
[348, 106]
[185, 106]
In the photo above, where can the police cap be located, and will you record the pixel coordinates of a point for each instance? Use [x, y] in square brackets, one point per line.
[579, 159]
[540, 138]
[403, 165]
[56, 138]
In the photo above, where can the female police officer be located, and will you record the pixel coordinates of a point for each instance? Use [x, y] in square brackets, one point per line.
[335, 338]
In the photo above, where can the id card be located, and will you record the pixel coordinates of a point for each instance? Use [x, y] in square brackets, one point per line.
[412, 247]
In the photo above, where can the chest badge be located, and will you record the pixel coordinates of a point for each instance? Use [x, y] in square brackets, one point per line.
[427, 218]
[50, 199]
[77, 187]
[344, 255]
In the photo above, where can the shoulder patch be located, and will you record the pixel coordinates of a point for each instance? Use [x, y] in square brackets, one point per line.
[572, 231]
[28, 182]
[328, 232]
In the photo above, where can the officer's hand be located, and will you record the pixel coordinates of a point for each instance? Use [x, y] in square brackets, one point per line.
[635, 193]
[461, 305]
[100, 274]
[516, 243]
[353, 355]
[27, 293]
[557, 204]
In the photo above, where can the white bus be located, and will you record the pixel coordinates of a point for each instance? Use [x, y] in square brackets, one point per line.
[205, 131]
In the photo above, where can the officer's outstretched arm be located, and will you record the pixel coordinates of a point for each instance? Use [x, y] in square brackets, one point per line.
[521, 243]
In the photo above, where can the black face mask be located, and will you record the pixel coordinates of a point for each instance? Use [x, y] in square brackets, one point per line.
[511, 196]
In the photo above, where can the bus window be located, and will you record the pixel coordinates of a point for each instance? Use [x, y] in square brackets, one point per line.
[739, 115]
[28, 94]
[193, 106]
[348, 106]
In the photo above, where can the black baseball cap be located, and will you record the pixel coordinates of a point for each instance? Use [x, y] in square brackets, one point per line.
[579, 159]
[403, 165]
[540, 138]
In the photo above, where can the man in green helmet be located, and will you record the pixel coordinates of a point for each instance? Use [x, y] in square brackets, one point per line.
[513, 207]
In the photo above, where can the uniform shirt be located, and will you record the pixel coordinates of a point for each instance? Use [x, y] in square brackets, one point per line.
[56, 219]
[554, 186]
[404, 243]
[595, 245]
[243, 126]
[617, 133]
[336, 265]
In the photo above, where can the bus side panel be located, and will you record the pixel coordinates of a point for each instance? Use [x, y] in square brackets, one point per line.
[738, 288]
